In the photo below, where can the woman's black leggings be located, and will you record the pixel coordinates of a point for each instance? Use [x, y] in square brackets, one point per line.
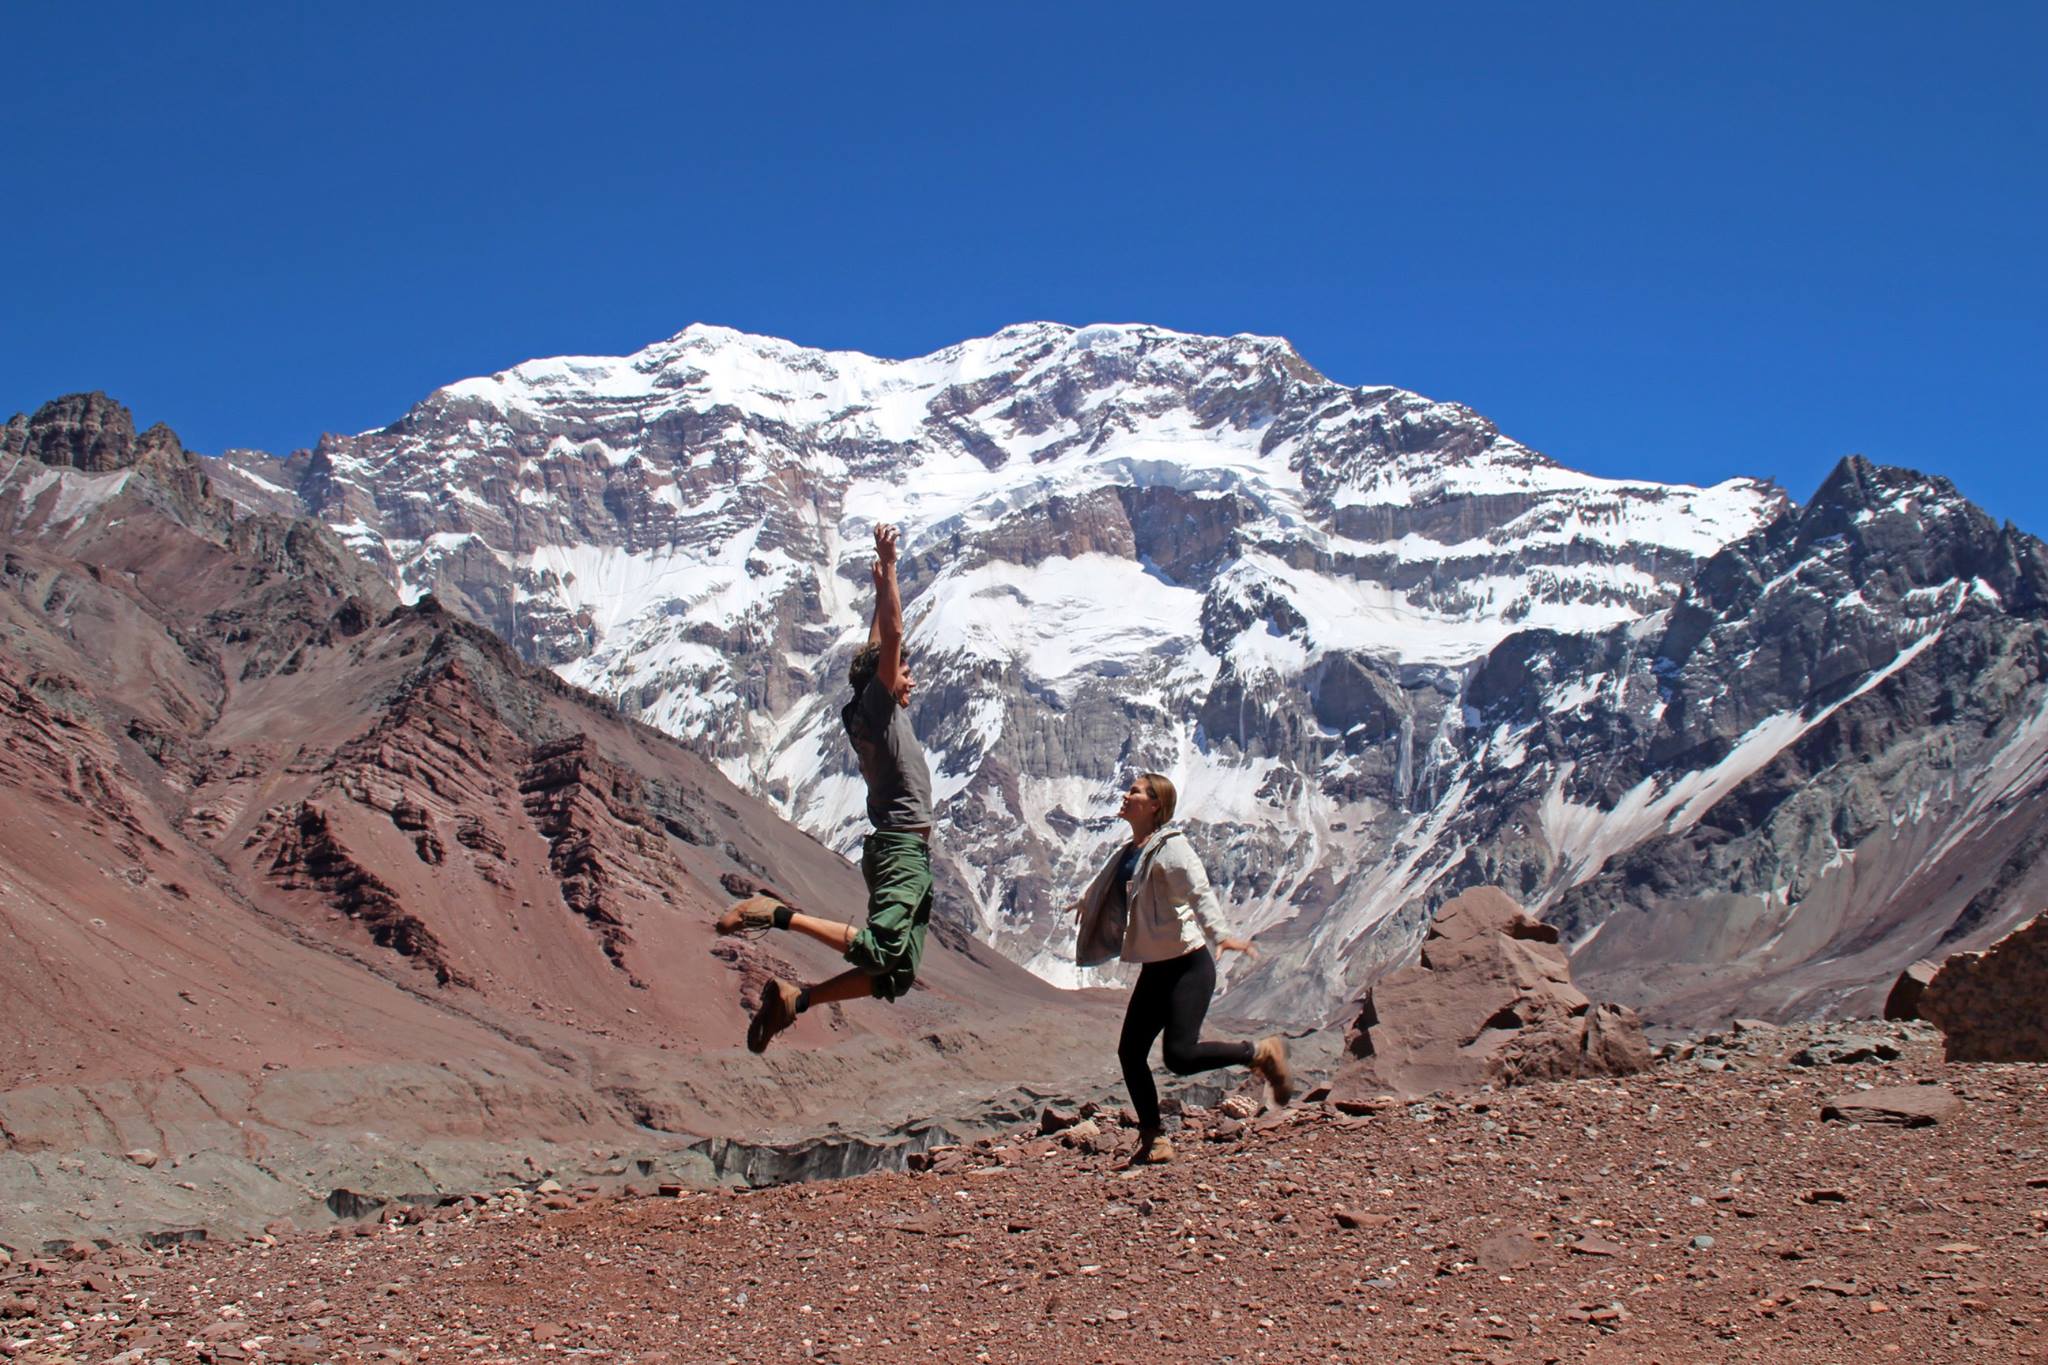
[1171, 997]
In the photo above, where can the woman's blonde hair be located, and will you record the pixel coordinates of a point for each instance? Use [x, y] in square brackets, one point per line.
[1163, 794]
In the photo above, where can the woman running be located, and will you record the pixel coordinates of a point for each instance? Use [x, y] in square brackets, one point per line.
[1152, 904]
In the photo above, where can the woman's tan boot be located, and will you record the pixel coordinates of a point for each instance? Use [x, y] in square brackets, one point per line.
[1269, 1059]
[1153, 1148]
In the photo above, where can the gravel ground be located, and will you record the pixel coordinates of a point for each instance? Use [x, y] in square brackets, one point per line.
[1701, 1212]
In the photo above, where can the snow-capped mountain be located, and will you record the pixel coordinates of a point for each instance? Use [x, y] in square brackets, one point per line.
[1126, 548]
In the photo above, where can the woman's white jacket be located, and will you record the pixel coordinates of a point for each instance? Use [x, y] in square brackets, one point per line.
[1167, 910]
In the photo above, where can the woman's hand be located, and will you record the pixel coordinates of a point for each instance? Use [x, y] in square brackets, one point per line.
[1238, 945]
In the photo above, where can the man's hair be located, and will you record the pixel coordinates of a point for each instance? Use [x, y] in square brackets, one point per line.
[1161, 787]
[867, 661]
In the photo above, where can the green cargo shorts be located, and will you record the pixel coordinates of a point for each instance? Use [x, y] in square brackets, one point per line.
[898, 870]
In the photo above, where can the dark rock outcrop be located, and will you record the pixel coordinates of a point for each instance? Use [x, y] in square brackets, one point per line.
[304, 854]
[1906, 993]
[597, 830]
[85, 431]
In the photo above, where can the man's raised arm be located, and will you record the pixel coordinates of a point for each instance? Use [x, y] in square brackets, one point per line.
[887, 627]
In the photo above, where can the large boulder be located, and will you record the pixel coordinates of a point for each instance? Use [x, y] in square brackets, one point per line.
[1988, 1005]
[1490, 1001]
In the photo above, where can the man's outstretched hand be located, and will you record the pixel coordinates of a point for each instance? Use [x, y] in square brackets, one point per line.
[885, 546]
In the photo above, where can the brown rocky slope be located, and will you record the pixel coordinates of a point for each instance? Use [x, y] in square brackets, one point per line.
[301, 888]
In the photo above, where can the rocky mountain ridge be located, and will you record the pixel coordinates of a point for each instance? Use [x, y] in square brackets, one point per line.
[1388, 652]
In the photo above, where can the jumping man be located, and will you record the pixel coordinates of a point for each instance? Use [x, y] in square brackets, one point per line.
[895, 861]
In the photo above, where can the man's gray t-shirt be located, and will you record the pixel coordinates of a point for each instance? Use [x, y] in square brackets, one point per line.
[891, 760]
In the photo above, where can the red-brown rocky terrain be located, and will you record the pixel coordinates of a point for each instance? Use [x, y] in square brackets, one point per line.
[302, 889]
[1701, 1212]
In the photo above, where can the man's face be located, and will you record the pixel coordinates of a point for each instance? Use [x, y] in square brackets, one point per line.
[904, 684]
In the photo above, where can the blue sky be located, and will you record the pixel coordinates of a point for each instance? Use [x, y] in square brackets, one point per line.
[1681, 242]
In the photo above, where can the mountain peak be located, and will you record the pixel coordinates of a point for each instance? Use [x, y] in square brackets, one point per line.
[1858, 483]
[85, 431]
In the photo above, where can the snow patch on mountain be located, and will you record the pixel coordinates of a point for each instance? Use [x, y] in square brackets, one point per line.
[77, 493]
[1047, 618]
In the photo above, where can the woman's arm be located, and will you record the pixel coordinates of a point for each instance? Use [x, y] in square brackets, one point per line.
[1095, 941]
[1096, 889]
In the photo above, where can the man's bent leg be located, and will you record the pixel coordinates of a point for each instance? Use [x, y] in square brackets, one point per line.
[759, 914]
[829, 932]
[848, 985]
[782, 1002]
[898, 871]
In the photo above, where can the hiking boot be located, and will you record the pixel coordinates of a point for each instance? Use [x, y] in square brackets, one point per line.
[1153, 1149]
[777, 1012]
[754, 915]
[1269, 1059]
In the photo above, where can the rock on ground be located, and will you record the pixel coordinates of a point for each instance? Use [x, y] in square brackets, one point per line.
[1905, 1106]
[1490, 1001]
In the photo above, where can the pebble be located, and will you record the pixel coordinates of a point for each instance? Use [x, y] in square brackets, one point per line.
[1358, 1218]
